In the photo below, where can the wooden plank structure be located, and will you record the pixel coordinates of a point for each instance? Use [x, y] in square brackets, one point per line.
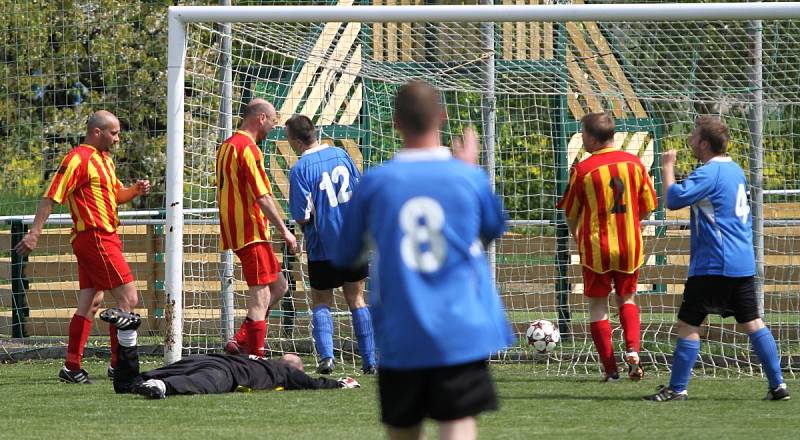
[52, 273]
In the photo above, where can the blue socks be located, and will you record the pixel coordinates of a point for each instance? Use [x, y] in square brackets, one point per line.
[322, 323]
[764, 345]
[683, 360]
[362, 326]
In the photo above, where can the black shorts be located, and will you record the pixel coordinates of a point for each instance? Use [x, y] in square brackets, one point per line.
[323, 275]
[719, 295]
[443, 394]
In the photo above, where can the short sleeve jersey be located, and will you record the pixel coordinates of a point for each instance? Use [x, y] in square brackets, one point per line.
[432, 296]
[241, 179]
[605, 195]
[721, 224]
[321, 183]
[87, 182]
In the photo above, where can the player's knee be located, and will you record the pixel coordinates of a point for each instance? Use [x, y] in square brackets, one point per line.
[355, 300]
[753, 326]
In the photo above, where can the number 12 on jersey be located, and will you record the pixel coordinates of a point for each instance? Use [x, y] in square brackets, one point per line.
[344, 194]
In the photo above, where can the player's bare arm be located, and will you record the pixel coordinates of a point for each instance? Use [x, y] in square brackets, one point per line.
[668, 160]
[267, 205]
[31, 239]
[138, 189]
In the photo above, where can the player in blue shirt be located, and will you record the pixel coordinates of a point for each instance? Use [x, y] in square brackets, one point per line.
[722, 262]
[320, 184]
[437, 316]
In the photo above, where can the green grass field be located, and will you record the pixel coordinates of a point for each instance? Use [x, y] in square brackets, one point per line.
[533, 405]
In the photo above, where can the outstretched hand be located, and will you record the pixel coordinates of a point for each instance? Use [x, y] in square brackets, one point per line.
[466, 147]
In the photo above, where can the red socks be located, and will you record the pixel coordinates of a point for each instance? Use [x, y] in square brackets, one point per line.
[601, 335]
[112, 332]
[241, 336]
[79, 329]
[631, 327]
[256, 332]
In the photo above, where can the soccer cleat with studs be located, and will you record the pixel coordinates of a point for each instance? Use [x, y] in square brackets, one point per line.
[78, 376]
[665, 393]
[780, 392]
[612, 378]
[370, 370]
[635, 371]
[325, 366]
[121, 320]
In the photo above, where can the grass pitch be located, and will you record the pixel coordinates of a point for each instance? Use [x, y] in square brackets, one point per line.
[36, 405]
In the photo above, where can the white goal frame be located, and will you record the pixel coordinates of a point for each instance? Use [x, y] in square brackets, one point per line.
[179, 16]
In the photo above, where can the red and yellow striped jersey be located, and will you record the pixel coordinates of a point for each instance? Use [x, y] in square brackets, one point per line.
[605, 194]
[87, 181]
[241, 179]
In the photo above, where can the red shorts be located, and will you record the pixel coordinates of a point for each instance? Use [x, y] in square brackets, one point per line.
[259, 264]
[100, 262]
[598, 285]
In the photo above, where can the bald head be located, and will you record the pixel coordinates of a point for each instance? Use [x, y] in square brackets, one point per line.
[259, 118]
[102, 130]
[101, 119]
[257, 107]
[293, 360]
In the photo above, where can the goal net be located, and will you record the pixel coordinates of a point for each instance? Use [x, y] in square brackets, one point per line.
[524, 85]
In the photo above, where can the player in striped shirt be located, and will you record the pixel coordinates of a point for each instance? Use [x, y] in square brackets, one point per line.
[245, 204]
[87, 182]
[608, 195]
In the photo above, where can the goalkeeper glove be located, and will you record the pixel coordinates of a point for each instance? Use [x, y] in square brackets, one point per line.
[348, 382]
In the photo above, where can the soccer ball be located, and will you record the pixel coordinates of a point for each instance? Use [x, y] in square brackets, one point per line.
[543, 336]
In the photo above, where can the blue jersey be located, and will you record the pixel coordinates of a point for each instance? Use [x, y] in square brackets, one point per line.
[432, 297]
[722, 228]
[320, 183]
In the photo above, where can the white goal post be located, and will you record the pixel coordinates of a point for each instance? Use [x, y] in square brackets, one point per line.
[181, 16]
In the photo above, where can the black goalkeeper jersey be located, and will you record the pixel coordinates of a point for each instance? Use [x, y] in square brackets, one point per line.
[250, 372]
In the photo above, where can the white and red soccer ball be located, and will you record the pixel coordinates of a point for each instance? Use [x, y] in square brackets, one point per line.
[543, 336]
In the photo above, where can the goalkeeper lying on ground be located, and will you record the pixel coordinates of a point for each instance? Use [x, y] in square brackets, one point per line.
[211, 374]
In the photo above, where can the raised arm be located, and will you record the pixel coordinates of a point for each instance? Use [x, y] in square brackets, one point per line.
[126, 194]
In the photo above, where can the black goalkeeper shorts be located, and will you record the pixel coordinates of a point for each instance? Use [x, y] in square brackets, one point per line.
[719, 295]
[323, 275]
[443, 394]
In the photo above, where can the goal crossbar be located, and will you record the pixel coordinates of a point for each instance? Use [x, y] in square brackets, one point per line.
[488, 13]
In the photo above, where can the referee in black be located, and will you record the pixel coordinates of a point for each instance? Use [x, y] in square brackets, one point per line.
[222, 373]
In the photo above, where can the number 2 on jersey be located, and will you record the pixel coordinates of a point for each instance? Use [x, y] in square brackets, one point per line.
[618, 189]
[338, 173]
[423, 247]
